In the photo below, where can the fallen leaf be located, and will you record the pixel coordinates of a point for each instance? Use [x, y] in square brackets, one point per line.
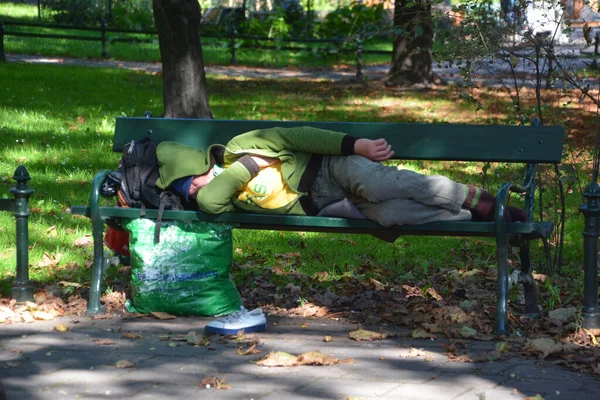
[316, 358]
[278, 359]
[327, 339]
[376, 284]
[433, 328]
[250, 350]
[84, 242]
[69, 284]
[561, 316]
[421, 333]
[51, 232]
[287, 255]
[132, 335]
[435, 295]
[44, 316]
[592, 337]
[162, 315]
[466, 331]
[195, 339]
[543, 346]
[103, 342]
[362, 334]
[49, 261]
[213, 382]
[124, 364]
[536, 397]
[61, 328]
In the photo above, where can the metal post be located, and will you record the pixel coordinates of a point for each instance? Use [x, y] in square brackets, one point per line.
[2, 56]
[591, 212]
[594, 65]
[359, 64]
[103, 37]
[550, 56]
[233, 57]
[22, 289]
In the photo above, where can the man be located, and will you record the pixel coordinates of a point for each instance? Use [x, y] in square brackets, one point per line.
[309, 171]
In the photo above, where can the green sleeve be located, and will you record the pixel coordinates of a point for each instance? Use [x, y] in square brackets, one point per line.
[215, 197]
[299, 139]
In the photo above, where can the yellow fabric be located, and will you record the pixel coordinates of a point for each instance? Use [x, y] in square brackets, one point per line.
[268, 189]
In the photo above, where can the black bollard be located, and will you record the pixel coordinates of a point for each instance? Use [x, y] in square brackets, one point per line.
[22, 289]
[591, 212]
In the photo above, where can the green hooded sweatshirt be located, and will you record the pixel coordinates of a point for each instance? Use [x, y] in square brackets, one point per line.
[294, 147]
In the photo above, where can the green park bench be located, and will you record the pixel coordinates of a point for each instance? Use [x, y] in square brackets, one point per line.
[22, 289]
[481, 143]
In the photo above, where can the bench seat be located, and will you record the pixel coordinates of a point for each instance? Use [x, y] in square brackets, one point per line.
[529, 230]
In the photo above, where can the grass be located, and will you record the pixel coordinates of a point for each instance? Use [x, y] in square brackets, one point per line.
[58, 122]
[216, 51]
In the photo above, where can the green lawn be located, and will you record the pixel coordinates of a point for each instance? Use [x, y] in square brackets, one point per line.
[58, 122]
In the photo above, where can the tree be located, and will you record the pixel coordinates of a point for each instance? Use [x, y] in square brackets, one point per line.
[412, 54]
[184, 82]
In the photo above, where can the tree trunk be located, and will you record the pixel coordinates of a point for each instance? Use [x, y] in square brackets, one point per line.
[184, 83]
[412, 56]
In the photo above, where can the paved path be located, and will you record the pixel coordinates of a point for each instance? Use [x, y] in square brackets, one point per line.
[492, 73]
[37, 362]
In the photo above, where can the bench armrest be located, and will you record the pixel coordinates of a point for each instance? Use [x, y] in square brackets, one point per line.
[528, 188]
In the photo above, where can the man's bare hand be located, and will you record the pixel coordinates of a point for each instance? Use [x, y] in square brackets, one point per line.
[264, 161]
[376, 150]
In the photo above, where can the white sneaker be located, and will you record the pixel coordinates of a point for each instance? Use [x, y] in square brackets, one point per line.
[243, 320]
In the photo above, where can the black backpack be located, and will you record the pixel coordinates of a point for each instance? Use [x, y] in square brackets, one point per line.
[138, 173]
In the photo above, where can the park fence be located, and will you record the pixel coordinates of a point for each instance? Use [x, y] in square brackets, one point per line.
[231, 39]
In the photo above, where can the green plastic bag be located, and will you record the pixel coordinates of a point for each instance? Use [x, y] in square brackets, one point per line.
[187, 273]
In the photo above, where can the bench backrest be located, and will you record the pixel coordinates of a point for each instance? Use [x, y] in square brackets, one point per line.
[451, 142]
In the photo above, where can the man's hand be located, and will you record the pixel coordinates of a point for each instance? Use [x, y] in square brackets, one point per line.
[264, 161]
[376, 150]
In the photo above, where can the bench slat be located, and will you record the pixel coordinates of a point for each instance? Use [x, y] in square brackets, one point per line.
[328, 224]
[452, 142]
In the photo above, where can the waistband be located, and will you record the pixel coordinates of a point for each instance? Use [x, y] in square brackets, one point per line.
[306, 181]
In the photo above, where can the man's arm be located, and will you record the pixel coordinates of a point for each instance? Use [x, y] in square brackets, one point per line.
[215, 197]
[309, 140]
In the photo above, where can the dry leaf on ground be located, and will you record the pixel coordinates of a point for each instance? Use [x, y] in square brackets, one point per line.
[362, 334]
[103, 342]
[546, 346]
[421, 333]
[250, 350]
[316, 358]
[124, 364]
[278, 359]
[213, 382]
[61, 328]
[132, 335]
[162, 315]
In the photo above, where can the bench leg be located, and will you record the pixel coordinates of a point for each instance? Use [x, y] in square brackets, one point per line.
[97, 236]
[526, 279]
[502, 255]
[96, 283]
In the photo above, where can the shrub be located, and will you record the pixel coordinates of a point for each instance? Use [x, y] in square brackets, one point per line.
[133, 14]
[77, 12]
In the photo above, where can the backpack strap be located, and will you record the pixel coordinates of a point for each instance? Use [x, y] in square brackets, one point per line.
[161, 209]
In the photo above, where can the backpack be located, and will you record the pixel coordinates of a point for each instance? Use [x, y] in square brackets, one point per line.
[138, 171]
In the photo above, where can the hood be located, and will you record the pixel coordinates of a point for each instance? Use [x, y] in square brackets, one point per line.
[176, 160]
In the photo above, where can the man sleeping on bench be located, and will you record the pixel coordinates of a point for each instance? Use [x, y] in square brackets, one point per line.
[309, 171]
[306, 171]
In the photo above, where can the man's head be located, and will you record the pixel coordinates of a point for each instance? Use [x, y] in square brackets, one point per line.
[177, 163]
